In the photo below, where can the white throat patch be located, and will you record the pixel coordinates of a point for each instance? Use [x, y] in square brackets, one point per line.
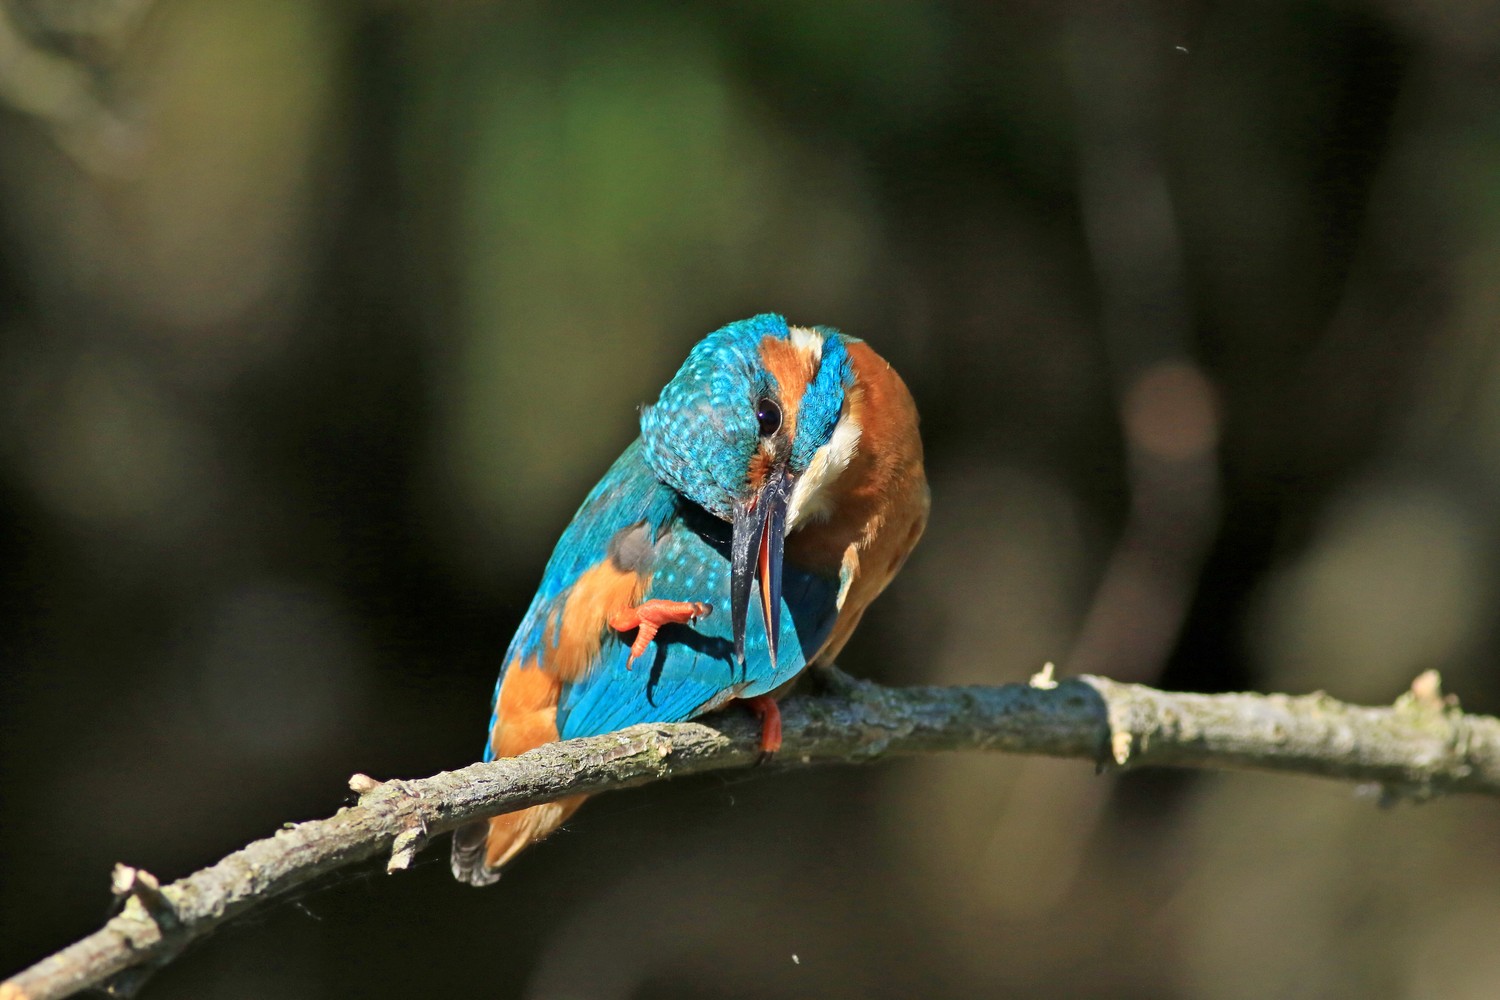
[811, 498]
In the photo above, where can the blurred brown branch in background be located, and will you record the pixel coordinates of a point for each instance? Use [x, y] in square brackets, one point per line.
[55, 61]
[1422, 746]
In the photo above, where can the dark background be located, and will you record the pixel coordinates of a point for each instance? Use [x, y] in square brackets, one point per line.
[318, 319]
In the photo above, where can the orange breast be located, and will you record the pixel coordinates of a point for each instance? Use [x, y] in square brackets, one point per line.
[601, 590]
[526, 716]
[880, 502]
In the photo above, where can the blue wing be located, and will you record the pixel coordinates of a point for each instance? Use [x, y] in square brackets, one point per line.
[681, 554]
[691, 669]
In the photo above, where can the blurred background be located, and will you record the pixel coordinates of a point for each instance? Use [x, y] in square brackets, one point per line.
[318, 319]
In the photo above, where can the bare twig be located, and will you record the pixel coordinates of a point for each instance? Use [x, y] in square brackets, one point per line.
[1422, 746]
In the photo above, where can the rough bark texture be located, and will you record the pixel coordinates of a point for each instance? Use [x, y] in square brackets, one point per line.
[1420, 747]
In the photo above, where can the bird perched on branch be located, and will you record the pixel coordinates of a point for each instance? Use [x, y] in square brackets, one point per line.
[776, 488]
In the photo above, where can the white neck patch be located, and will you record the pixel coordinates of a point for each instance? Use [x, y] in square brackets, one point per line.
[812, 500]
[808, 341]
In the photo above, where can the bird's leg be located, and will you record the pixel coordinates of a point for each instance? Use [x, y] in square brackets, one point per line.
[764, 706]
[649, 616]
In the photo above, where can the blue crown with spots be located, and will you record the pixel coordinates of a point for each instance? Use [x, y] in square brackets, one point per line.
[702, 433]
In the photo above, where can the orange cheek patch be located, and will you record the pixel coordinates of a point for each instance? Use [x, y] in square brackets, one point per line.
[527, 713]
[599, 592]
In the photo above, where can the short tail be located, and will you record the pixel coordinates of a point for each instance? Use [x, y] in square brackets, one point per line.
[481, 848]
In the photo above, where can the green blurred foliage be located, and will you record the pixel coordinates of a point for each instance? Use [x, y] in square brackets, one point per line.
[612, 176]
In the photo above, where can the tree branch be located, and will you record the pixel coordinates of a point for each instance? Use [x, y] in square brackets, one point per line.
[1422, 746]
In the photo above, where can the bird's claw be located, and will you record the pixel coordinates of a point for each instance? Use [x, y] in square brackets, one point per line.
[766, 709]
[648, 617]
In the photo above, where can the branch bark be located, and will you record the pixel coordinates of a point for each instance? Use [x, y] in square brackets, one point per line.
[1422, 746]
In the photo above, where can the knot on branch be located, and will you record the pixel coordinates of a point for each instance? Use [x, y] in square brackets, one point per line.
[147, 918]
[1425, 706]
[414, 831]
[406, 845]
[371, 790]
[127, 884]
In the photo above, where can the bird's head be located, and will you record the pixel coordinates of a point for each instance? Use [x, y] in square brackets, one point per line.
[754, 428]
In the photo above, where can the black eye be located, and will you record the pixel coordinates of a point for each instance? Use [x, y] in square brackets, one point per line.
[768, 415]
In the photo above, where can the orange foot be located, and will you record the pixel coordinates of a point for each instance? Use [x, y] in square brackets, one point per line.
[649, 616]
[764, 706]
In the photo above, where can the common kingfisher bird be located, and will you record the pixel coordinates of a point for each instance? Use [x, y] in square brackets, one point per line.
[777, 481]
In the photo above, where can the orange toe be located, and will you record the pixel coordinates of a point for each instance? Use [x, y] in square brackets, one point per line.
[649, 616]
[766, 708]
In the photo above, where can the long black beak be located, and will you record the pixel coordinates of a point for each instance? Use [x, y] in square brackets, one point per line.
[755, 558]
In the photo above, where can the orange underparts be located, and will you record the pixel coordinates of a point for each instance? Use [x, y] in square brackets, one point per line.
[526, 716]
[649, 616]
[764, 706]
[574, 637]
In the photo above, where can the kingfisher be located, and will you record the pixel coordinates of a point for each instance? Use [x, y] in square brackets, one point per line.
[774, 491]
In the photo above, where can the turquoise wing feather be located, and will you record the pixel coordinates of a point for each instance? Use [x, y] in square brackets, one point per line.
[691, 669]
[684, 552]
